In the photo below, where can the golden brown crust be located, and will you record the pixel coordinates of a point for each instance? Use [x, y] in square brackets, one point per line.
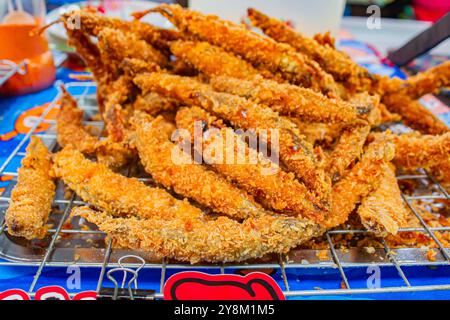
[92, 23]
[194, 239]
[276, 57]
[238, 63]
[415, 151]
[153, 103]
[69, 126]
[383, 211]
[295, 152]
[32, 197]
[88, 51]
[348, 149]
[97, 184]
[332, 61]
[115, 46]
[170, 166]
[318, 133]
[422, 83]
[414, 114]
[325, 39]
[247, 168]
[291, 100]
[212, 60]
[369, 106]
[70, 131]
[115, 114]
[442, 172]
[361, 180]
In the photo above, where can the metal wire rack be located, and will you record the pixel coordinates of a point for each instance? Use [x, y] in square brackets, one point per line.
[60, 251]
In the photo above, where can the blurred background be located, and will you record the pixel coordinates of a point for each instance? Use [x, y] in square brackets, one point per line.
[400, 19]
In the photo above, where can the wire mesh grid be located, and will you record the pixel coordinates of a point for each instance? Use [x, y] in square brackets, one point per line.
[105, 256]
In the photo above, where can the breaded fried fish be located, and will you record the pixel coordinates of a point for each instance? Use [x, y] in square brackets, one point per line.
[415, 115]
[69, 126]
[115, 46]
[260, 51]
[422, 83]
[296, 153]
[230, 156]
[348, 149]
[421, 151]
[332, 61]
[214, 61]
[291, 100]
[363, 178]
[383, 211]
[121, 196]
[71, 132]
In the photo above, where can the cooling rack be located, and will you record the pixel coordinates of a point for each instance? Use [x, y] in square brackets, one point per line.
[80, 244]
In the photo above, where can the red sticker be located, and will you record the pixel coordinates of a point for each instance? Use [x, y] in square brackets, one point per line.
[192, 285]
[51, 293]
[14, 294]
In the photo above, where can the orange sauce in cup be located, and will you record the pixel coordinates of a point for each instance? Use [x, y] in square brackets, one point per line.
[16, 45]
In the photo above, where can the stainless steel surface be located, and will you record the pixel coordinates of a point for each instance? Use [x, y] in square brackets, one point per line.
[82, 244]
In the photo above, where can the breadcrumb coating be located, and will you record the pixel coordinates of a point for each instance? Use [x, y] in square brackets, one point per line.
[316, 133]
[69, 126]
[173, 168]
[348, 149]
[296, 153]
[249, 169]
[370, 103]
[115, 114]
[260, 51]
[153, 103]
[32, 197]
[214, 61]
[121, 196]
[71, 132]
[415, 151]
[194, 239]
[344, 69]
[442, 172]
[325, 39]
[91, 24]
[321, 138]
[414, 114]
[422, 83]
[383, 211]
[90, 53]
[115, 46]
[361, 180]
